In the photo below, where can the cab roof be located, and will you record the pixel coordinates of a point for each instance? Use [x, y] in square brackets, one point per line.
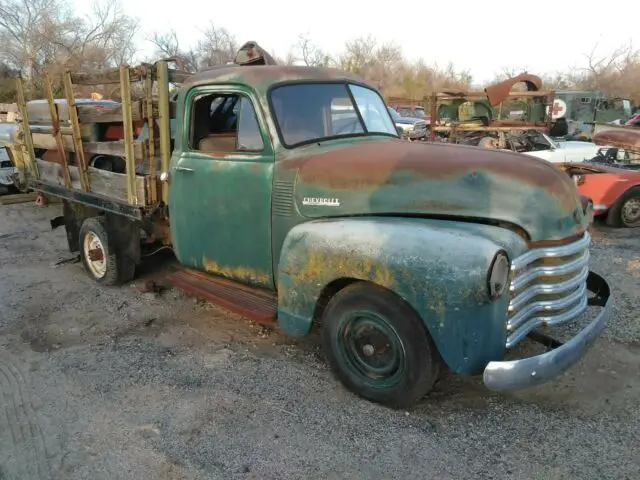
[265, 76]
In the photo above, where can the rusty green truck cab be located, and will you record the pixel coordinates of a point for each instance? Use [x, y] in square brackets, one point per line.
[294, 180]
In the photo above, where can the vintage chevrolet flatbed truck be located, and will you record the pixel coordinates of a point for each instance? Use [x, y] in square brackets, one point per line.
[410, 255]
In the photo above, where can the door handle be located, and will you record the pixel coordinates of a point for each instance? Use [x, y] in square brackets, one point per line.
[184, 169]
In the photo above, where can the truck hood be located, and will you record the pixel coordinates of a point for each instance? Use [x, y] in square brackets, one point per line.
[395, 177]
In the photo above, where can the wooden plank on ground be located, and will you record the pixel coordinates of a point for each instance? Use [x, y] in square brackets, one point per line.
[17, 198]
[108, 184]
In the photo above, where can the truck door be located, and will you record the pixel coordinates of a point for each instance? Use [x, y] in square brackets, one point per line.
[220, 190]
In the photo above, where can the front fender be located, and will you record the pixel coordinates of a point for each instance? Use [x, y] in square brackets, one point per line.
[439, 267]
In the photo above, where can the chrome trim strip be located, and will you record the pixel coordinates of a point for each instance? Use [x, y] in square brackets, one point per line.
[551, 252]
[546, 289]
[535, 322]
[549, 271]
[531, 371]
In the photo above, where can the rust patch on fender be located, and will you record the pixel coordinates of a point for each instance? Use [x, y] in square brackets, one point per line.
[322, 267]
[240, 273]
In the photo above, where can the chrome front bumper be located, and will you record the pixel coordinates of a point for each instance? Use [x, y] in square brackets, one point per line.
[527, 372]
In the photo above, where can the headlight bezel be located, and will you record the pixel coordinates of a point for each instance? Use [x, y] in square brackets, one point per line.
[498, 275]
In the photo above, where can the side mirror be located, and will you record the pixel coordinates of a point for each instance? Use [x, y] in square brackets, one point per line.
[400, 131]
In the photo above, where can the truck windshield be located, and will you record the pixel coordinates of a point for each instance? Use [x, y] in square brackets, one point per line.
[311, 112]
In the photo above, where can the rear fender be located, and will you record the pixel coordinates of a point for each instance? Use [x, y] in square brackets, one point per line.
[439, 267]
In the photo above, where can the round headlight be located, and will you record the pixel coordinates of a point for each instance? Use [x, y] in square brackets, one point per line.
[498, 275]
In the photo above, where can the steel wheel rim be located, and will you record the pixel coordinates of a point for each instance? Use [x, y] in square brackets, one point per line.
[371, 349]
[631, 212]
[92, 243]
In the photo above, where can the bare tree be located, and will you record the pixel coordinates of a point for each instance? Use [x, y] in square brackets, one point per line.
[381, 64]
[168, 45]
[310, 54]
[600, 67]
[217, 47]
[358, 55]
[33, 32]
[106, 38]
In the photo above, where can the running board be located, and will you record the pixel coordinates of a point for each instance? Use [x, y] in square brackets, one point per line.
[254, 303]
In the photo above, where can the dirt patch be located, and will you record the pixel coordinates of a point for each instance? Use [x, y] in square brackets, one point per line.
[96, 382]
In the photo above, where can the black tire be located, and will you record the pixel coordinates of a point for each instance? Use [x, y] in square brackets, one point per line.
[96, 227]
[615, 216]
[126, 269]
[416, 357]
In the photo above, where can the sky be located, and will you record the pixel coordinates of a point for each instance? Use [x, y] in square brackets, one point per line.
[481, 36]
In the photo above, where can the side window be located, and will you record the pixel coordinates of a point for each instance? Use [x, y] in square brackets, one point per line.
[224, 123]
[249, 138]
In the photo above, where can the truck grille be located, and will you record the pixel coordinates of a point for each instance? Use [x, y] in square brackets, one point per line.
[548, 287]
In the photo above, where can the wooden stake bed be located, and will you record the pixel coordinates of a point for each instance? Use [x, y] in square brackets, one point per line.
[68, 134]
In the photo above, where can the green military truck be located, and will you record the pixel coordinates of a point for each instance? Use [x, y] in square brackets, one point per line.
[581, 109]
[410, 256]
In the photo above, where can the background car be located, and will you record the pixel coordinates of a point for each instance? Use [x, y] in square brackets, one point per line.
[6, 171]
[413, 128]
[615, 192]
[413, 111]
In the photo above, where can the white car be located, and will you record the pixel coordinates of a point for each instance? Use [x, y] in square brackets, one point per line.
[563, 151]
[6, 171]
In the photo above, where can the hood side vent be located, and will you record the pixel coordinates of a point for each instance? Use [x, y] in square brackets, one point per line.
[282, 198]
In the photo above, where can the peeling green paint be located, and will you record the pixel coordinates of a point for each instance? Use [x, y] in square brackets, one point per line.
[439, 267]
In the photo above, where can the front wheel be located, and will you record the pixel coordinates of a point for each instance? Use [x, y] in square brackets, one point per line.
[378, 347]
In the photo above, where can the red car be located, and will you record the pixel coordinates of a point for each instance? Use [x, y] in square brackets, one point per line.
[614, 191]
[634, 121]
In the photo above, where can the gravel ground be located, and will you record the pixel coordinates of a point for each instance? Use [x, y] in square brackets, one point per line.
[112, 383]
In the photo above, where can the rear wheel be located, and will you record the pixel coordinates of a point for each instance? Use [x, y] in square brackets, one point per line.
[99, 255]
[378, 347]
[626, 211]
